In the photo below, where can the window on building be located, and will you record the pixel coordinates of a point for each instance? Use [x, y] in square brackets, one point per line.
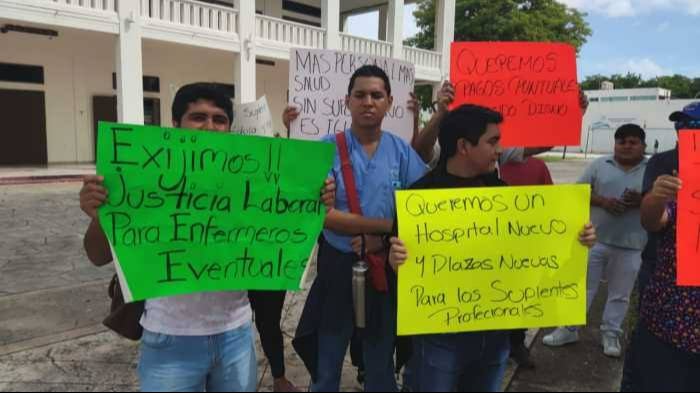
[225, 3]
[151, 84]
[614, 99]
[21, 73]
[299, 20]
[300, 8]
[644, 98]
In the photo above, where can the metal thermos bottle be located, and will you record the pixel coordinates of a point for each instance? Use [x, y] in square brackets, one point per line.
[359, 279]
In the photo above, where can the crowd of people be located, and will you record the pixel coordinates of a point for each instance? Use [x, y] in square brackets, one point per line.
[205, 341]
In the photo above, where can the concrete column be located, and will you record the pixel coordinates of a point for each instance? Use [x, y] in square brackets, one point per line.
[383, 34]
[330, 20]
[245, 72]
[395, 27]
[129, 65]
[445, 32]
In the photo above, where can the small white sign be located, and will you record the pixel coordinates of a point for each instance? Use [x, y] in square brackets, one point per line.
[318, 85]
[253, 118]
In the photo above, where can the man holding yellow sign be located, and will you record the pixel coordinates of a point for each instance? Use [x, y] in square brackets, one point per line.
[480, 260]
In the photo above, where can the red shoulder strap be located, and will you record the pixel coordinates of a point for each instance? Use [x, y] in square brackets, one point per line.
[348, 176]
[377, 263]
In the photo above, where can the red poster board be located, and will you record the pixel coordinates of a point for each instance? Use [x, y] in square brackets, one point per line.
[534, 86]
[688, 228]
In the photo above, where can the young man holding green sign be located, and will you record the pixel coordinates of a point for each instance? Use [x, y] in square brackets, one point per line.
[197, 342]
[470, 137]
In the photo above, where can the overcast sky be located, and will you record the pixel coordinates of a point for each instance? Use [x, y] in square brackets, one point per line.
[648, 37]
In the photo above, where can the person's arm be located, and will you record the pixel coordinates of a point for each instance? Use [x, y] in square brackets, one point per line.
[96, 245]
[349, 224]
[654, 214]
[413, 106]
[588, 236]
[546, 175]
[533, 151]
[512, 155]
[632, 199]
[328, 194]
[654, 170]
[424, 142]
[613, 206]
[290, 114]
[653, 211]
[520, 154]
[398, 255]
[92, 196]
[598, 201]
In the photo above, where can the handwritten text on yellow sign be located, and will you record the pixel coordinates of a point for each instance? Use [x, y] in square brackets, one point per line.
[492, 258]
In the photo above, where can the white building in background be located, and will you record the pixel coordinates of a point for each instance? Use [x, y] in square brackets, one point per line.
[628, 95]
[610, 108]
[66, 64]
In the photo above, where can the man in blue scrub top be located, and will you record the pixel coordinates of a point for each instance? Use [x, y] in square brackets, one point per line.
[382, 163]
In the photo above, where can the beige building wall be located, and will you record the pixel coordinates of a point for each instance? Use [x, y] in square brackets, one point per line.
[74, 66]
[79, 65]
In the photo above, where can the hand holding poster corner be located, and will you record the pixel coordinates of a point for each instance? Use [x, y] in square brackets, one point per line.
[253, 118]
[196, 211]
[492, 258]
[688, 226]
[534, 86]
[318, 85]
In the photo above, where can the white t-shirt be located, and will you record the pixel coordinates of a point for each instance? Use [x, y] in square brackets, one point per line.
[201, 314]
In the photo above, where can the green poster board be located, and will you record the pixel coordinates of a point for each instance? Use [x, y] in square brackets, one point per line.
[197, 211]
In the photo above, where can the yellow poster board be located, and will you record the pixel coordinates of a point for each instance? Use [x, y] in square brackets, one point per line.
[492, 258]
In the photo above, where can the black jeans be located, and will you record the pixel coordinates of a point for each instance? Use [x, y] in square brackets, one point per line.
[517, 338]
[268, 306]
[655, 366]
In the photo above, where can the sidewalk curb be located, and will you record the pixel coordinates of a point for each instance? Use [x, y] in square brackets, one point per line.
[12, 181]
[46, 341]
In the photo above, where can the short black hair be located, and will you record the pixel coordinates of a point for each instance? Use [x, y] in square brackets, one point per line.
[631, 131]
[191, 93]
[370, 71]
[465, 122]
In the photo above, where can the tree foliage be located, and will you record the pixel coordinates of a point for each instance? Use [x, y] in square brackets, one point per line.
[680, 86]
[505, 20]
[502, 20]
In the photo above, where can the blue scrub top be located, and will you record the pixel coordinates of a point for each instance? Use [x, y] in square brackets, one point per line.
[394, 166]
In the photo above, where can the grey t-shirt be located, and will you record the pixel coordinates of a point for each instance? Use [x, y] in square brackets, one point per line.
[610, 180]
[201, 314]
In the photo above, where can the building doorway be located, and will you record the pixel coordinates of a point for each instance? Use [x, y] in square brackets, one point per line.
[24, 128]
